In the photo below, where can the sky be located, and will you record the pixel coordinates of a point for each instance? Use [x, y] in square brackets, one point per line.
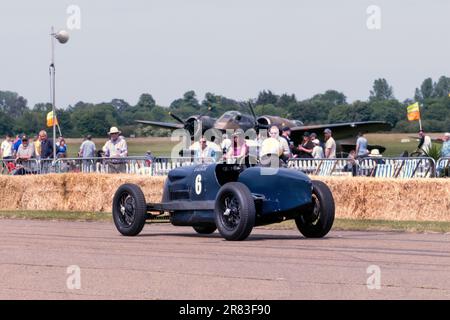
[234, 48]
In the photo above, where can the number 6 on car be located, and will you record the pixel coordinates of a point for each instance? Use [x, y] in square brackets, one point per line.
[230, 198]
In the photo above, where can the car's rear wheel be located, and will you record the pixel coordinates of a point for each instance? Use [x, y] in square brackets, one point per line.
[317, 222]
[234, 211]
[205, 229]
[129, 209]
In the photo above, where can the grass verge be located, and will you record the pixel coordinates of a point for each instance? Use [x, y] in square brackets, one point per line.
[377, 225]
[57, 215]
[339, 224]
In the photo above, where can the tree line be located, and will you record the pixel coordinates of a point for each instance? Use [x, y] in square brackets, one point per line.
[328, 107]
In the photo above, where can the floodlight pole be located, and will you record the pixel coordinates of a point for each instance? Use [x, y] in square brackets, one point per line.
[53, 81]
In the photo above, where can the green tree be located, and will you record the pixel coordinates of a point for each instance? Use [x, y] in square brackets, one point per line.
[266, 97]
[146, 102]
[381, 90]
[426, 89]
[12, 104]
[357, 111]
[442, 87]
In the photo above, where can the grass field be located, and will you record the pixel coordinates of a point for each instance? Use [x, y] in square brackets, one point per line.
[162, 146]
[339, 224]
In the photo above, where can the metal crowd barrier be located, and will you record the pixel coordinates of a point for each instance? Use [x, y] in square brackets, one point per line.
[380, 167]
[19, 167]
[417, 167]
[157, 166]
[443, 167]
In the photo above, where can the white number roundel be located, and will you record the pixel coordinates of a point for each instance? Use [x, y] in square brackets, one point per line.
[198, 184]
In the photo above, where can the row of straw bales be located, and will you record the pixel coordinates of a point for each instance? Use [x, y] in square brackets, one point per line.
[355, 197]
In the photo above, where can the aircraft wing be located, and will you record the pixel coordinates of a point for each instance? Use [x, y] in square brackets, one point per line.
[340, 130]
[165, 125]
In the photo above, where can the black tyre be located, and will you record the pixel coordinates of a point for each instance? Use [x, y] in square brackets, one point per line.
[129, 209]
[234, 211]
[317, 222]
[205, 229]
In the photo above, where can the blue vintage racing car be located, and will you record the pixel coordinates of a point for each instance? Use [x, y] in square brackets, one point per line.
[231, 198]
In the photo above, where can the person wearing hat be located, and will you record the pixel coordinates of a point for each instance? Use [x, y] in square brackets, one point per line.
[376, 156]
[445, 151]
[116, 146]
[306, 148]
[330, 144]
[25, 152]
[286, 135]
[317, 152]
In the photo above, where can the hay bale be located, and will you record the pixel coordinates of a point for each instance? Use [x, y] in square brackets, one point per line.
[391, 199]
[355, 197]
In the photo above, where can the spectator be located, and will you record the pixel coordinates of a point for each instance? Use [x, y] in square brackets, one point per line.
[271, 151]
[330, 144]
[205, 151]
[6, 149]
[226, 143]
[239, 149]
[149, 158]
[286, 135]
[445, 152]
[274, 133]
[87, 148]
[61, 149]
[376, 155]
[46, 151]
[25, 152]
[37, 146]
[116, 147]
[306, 148]
[351, 165]
[17, 143]
[361, 146]
[317, 151]
[424, 143]
[46, 145]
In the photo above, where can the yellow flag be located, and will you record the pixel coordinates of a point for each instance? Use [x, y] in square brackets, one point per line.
[50, 119]
[414, 112]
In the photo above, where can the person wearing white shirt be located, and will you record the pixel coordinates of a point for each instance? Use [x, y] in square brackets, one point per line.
[6, 149]
[317, 152]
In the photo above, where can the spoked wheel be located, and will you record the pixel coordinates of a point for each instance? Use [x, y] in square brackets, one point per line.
[129, 209]
[317, 222]
[234, 211]
[205, 229]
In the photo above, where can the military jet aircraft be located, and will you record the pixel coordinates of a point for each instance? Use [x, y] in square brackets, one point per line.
[343, 133]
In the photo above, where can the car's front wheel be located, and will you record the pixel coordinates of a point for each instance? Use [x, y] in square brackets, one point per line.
[234, 211]
[129, 209]
[318, 220]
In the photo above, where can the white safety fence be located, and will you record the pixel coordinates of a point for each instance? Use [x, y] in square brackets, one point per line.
[443, 167]
[380, 167]
[419, 167]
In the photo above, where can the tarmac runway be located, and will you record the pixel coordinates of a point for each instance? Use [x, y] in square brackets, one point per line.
[167, 262]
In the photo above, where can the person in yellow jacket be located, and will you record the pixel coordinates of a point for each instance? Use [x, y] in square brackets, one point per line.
[37, 146]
